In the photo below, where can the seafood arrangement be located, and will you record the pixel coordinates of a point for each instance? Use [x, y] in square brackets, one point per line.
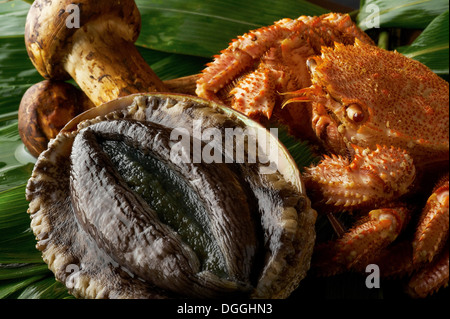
[382, 118]
[183, 232]
[116, 215]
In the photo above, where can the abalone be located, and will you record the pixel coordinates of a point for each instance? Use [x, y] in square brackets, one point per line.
[121, 207]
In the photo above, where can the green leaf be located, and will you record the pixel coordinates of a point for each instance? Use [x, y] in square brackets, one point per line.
[300, 151]
[414, 14]
[431, 47]
[15, 161]
[15, 271]
[17, 242]
[17, 73]
[203, 28]
[9, 287]
[13, 15]
[47, 288]
[170, 66]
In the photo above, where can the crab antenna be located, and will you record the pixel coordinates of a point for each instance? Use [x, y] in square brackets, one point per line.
[296, 99]
[338, 228]
[299, 98]
[298, 92]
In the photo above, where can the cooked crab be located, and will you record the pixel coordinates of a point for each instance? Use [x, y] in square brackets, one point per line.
[384, 117]
[250, 73]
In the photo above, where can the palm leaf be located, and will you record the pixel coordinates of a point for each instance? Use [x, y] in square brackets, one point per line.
[17, 243]
[415, 14]
[17, 73]
[46, 288]
[15, 161]
[203, 28]
[431, 47]
[9, 287]
[13, 14]
[17, 271]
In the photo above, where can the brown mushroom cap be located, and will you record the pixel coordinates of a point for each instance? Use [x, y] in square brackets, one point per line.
[48, 39]
[45, 109]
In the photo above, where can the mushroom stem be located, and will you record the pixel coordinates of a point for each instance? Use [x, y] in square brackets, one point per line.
[185, 84]
[48, 105]
[99, 54]
[106, 66]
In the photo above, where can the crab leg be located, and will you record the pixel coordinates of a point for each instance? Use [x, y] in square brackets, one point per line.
[432, 232]
[241, 53]
[255, 94]
[371, 179]
[395, 261]
[356, 247]
[432, 277]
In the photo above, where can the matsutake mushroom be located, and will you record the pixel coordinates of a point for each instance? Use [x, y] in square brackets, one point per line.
[122, 208]
[100, 55]
[46, 107]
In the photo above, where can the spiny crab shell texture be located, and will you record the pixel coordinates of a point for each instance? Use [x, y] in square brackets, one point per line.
[380, 104]
[249, 75]
[382, 118]
[399, 101]
[101, 236]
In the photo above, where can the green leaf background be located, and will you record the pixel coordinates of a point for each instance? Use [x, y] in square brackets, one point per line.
[431, 46]
[177, 39]
[415, 14]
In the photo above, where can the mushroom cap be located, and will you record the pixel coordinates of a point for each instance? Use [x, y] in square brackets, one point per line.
[50, 28]
[45, 108]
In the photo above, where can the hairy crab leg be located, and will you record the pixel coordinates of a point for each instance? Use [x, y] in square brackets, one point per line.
[430, 278]
[233, 60]
[356, 247]
[255, 93]
[395, 261]
[371, 179]
[292, 41]
[432, 232]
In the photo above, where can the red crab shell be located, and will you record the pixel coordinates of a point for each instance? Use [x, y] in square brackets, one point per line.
[400, 101]
[381, 113]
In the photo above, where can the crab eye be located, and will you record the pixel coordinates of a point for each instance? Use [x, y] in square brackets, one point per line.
[355, 113]
[311, 64]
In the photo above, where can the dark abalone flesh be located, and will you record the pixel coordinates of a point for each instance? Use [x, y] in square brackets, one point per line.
[126, 202]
